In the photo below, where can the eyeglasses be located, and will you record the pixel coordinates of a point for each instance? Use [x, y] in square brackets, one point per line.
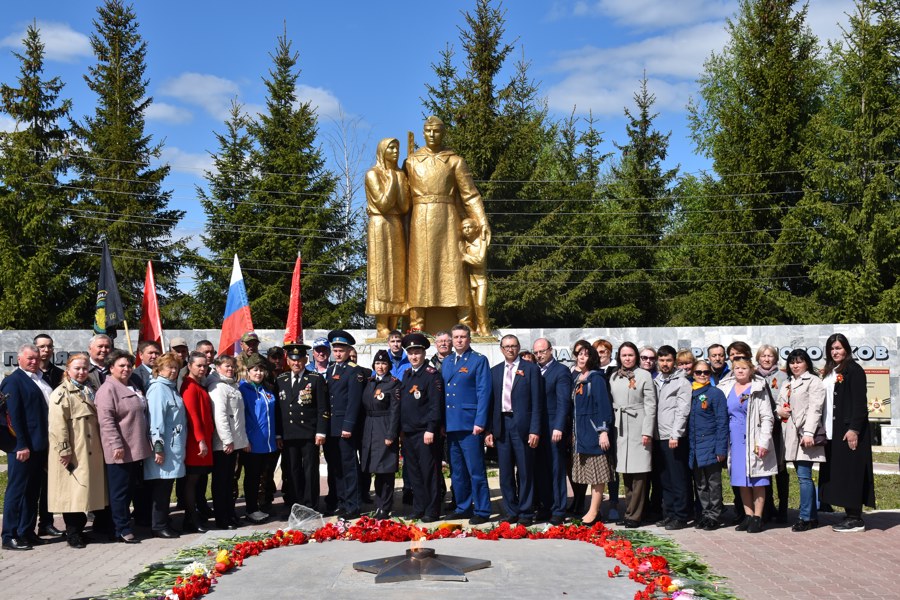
[703, 373]
[648, 358]
[510, 347]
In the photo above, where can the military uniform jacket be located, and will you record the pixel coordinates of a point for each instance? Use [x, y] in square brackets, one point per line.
[421, 400]
[302, 408]
[468, 391]
[381, 406]
[346, 382]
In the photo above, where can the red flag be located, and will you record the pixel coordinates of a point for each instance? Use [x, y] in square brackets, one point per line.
[293, 331]
[151, 323]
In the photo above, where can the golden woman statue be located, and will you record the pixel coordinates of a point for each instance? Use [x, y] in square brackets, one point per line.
[442, 193]
[387, 202]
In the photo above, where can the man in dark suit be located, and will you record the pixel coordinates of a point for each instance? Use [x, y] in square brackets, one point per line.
[99, 346]
[148, 351]
[301, 422]
[27, 407]
[421, 402]
[553, 450]
[346, 382]
[517, 405]
[467, 385]
[53, 375]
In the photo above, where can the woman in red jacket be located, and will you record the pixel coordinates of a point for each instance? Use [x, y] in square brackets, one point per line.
[198, 455]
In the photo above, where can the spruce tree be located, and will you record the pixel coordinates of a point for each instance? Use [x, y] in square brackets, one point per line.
[272, 197]
[846, 232]
[757, 97]
[34, 237]
[121, 196]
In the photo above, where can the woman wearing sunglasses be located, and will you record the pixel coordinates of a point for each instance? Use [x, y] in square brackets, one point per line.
[708, 444]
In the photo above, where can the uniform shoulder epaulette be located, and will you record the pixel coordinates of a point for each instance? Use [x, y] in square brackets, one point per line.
[350, 363]
[430, 370]
[313, 373]
[285, 376]
[476, 353]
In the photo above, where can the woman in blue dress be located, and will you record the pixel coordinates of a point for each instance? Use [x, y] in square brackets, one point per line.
[752, 459]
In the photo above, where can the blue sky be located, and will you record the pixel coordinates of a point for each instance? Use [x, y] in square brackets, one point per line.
[371, 61]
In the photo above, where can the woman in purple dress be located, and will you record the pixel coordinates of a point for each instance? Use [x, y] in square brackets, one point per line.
[752, 457]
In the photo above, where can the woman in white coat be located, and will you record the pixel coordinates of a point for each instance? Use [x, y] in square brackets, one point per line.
[800, 406]
[634, 406]
[752, 459]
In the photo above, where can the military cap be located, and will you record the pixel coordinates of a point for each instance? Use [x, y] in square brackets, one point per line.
[295, 351]
[341, 338]
[257, 360]
[250, 336]
[415, 340]
[381, 356]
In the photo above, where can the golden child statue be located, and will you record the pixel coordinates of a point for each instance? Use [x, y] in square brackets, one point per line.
[474, 253]
[387, 202]
[442, 192]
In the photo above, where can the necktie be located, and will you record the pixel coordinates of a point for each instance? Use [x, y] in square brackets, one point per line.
[296, 382]
[507, 387]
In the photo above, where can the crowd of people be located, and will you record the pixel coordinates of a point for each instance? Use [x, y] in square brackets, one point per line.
[108, 440]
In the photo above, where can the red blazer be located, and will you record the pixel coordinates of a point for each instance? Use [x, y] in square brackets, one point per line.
[198, 407]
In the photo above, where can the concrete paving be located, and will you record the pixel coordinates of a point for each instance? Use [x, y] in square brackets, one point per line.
[774, 564]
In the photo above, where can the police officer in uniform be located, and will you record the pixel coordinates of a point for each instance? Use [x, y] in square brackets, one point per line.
[301, 422]
[379, 453]
[421, 402]
[346, 381]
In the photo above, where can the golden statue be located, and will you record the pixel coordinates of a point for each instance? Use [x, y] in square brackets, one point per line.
[387, 202]
[443, 193]
[474, 253]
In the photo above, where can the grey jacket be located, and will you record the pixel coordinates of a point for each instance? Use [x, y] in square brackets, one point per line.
[673, 393]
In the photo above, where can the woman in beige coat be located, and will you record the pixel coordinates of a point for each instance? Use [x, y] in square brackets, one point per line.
[76, 478]
[634, 407]
[800, 406]
[752, 458]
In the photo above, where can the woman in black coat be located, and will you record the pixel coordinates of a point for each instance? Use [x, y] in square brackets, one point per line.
[846, 478]
[379, 453]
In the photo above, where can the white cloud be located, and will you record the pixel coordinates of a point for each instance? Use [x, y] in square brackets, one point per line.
[7, 124]
[61, 42]
[190, 163]
[604, 79]
[325, 103]
[655, 14]
[825, 18]
[168, 113]
[213, 94]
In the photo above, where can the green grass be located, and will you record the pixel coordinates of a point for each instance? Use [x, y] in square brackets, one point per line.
[887, 490]
[889, 458]
[3, 458]
[2, 486]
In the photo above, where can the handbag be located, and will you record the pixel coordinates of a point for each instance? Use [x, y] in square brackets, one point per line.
[820, 437]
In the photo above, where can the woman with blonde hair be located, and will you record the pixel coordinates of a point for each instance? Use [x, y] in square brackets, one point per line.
[76, 480]
[752, 459]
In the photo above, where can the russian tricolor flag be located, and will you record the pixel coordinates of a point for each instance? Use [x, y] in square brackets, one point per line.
[237, 320]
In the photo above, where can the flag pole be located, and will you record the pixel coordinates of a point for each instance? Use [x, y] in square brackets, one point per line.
[128, 338]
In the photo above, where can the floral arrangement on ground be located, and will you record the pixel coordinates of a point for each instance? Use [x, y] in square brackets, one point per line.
[658, 564]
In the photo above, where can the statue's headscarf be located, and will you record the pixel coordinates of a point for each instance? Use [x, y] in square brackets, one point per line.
[381, 149]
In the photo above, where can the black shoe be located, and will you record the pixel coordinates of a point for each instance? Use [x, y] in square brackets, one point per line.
[825, 507]
[557, 520]
[476, 520]
[17, 544]
[235, 522]
[75, 540]
[454, 516]
[128, 539]
[226, 526]
[526, 522]
[347, 515]
[850, 525]
[632, 524]
[49, 530]
[711, 525]
[675, 525]
[32, 539]
[802, 525]
[700, 523]
[663, 522]
[744, 524]
[738, 519]
[755, 525]
[620, 522]
[542, 516]
[189, 527]
[511, 519]
[430, 519]
[167, 533]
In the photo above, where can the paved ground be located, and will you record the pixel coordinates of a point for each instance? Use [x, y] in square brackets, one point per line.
[777, 563]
